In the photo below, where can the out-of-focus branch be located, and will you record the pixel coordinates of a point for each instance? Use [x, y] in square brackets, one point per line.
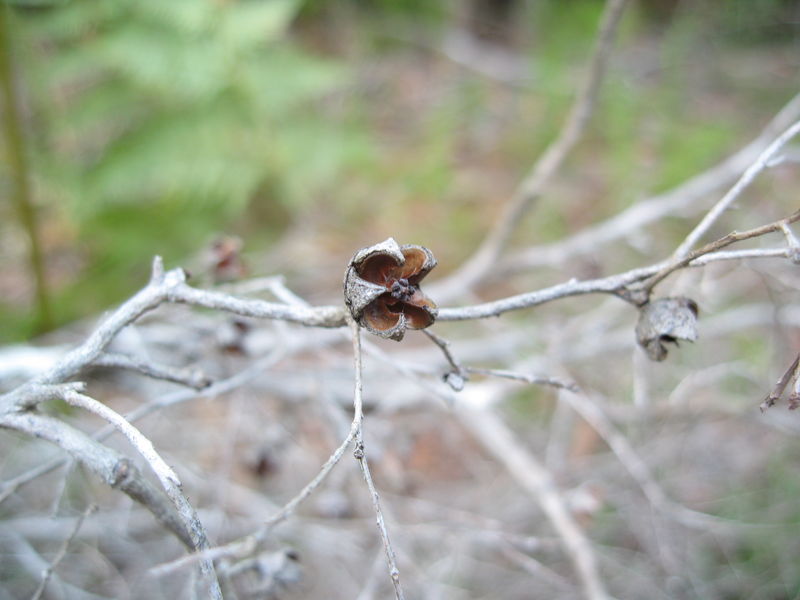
[248, 545]
[744, 181]
[621, 283]
[82, 444]
[498, 440]
[17, 157]
[637, 468]
[114, 469]
[361, 457]
[171, 286]
[189, 377]
[62, 552]
[792, 373]
[526, 378]
[731, 238]
[674, 202]
[218, 388]
[535, 182]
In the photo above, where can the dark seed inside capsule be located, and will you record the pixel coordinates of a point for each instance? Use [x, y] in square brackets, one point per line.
[402, 290]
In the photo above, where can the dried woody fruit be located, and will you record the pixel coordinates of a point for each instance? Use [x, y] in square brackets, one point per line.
[666, 320]
[381, 288]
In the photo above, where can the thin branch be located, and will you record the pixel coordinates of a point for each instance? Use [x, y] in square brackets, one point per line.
[168, 478]
[539, 177]
[289, 508]
[361, 457]
[62, 552]
[524, 377]
[793, 372]
[608, 285]
[687, 196]
[724, 255]
[444, 346]
[628, 457]
[114, 469]
[218, 388]
[457, 376]
[312, 316]
[528, 472]
[170, 286]
[716, 245]
[792, 243]
[192, 378]
[249, 544]
[684, 249]
[616, 284]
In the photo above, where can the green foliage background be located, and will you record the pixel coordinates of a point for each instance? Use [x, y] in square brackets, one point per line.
[155, 126]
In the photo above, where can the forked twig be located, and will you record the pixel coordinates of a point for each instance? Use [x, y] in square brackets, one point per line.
[744, 181]
[524, 377]
[731, 238]
[499, 441]
[62, 552]
[358, 407]
[548, 164]
[639, 215]
[793, 372]
[168, 478]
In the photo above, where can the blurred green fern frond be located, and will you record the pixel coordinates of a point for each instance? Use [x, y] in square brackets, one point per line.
[156, 124]
[155, 101]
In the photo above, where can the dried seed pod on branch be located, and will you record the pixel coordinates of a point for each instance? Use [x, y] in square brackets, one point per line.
[666, 320]
[381, 288]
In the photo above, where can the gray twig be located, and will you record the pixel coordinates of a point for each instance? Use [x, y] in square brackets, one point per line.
[361, 457]
[114, 469]
[616, 284]
[62, 552]
[677, 201]
[744, 181]
[733, 237]
[499, 441]
[526, 378]
[540, 175]
[189, 377]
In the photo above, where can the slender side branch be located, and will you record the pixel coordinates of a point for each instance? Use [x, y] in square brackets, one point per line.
[168, 478]
[608, 285]
[457, 376]
[62, 552]
[744, 181]
[192, 378]
[170, 286]
[115, 470]
[676, 201]
[82, 444]
[731, 238]
[550, 161]
[793, 372]
[524, 377]
[619, 284]
[247, 545]
[499, 441]
[220, 387]
[361, 457]
[312, 316]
